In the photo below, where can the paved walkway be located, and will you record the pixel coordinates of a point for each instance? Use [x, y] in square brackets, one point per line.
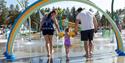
[35, 51]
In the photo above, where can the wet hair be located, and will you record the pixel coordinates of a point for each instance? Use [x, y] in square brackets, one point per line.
[67, 30]
[49, 15]
[79, 10]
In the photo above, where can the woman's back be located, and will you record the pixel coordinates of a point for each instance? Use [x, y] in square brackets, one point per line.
[47, 24]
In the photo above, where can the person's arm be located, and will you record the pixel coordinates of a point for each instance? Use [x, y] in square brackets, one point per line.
[76, 25]
[56, 23]
[95, 23]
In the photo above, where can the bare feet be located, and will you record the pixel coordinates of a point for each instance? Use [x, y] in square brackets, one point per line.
[88, 56]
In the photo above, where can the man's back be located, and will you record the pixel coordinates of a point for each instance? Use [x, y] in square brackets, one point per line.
[86, 18]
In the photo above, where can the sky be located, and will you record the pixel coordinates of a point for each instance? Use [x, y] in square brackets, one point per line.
[103, 4]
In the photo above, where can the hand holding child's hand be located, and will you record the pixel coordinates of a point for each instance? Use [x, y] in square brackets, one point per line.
[60, 34]
[75, 33]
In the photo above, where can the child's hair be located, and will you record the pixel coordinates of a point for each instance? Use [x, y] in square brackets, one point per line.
[67, 30]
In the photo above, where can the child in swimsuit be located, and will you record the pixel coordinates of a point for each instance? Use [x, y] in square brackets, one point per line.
[67, 42]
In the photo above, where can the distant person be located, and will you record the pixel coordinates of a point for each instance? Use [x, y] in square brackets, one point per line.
[8, 30]
[67, 43]
[88, 27]
[47, 29]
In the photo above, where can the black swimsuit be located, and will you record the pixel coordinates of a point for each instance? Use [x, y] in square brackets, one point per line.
[48, 28]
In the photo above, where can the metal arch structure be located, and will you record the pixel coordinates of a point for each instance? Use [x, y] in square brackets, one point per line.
[36, 5]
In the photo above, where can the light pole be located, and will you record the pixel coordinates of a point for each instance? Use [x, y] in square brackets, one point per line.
[0, 11]
[0, 8]
[112, 9]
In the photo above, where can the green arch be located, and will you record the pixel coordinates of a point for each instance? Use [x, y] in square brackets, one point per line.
[27, 12]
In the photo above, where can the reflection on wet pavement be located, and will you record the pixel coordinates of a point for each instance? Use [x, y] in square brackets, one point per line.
[35, 51]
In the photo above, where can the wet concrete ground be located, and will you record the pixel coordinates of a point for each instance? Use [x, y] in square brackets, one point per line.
[34, 51]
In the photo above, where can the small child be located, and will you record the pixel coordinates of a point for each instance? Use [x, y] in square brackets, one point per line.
[67, 42]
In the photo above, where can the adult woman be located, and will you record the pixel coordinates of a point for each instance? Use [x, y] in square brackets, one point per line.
[48, 29]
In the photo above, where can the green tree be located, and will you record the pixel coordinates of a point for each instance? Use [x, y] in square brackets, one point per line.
[17, 8]
[13, 13]
[73, 14]
[98, 17]
[104, 21]
[3, 12]
[35, 21]
[67, 13]
[11, 7]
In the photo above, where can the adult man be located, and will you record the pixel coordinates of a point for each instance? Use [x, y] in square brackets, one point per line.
[88, 26]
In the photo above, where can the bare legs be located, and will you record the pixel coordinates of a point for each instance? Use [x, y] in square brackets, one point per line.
[91, 47]
[67, 52]
[49, 45]
[88, 48]
[50, 60]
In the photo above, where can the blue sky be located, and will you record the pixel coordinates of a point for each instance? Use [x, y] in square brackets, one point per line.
[103, 4]
[9, 2]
